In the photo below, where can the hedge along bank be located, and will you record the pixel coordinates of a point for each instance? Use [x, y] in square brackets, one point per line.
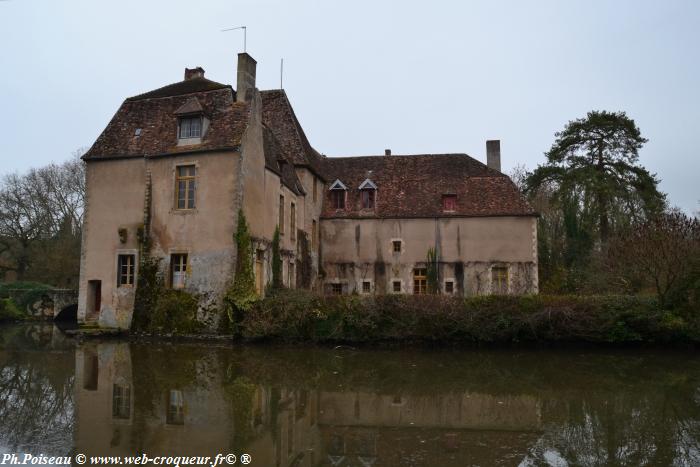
[298, 316]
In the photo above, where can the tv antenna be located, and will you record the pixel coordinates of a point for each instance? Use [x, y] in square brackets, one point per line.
[244, 34]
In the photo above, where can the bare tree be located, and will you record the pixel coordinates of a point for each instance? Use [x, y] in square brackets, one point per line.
[41, 206]
[664, 251]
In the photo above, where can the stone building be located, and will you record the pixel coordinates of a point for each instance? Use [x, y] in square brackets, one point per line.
[176, 165]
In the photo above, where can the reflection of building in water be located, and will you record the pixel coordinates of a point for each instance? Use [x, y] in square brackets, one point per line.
[366, 429]
[122, 410]
[127, 407]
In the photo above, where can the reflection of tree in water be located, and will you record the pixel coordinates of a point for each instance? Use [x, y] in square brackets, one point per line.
[36, 398]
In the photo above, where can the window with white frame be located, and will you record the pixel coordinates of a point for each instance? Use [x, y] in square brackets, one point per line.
[190, 127]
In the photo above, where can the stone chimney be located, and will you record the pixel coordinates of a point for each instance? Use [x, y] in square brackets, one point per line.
[245, 83]
[387, 152]
[493, 154]
[194, 73]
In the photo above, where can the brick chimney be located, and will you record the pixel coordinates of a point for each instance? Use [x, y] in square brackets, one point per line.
[493, 154]
[194, 73]
[245, 82]
[387, 152]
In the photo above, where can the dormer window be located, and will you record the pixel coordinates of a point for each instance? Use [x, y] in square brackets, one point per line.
[449, 203]
[368, 194]
[190, 127]
[338, 190]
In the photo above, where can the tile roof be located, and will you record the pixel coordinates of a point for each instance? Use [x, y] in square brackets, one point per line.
[413, 186]
[277, 161]
[278, 115]
[155, 114]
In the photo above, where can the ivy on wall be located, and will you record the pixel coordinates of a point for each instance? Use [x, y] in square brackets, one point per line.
[432, 272]
[276, 261]
[241, 295]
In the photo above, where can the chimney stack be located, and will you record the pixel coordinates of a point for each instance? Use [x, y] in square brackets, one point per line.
[387, 152]
[493, 154]
[245, 83]
[191, 73]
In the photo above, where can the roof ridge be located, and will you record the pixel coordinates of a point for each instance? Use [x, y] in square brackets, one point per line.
[146, 95]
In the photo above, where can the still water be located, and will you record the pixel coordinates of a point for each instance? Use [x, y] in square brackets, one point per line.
[324, 407]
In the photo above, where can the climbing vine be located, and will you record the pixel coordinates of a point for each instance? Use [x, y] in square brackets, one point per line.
[305, 268]
[276, 261]
[241, 294]
[432, 271]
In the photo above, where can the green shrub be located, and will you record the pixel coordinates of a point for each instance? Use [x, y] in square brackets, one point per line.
[24, 293]
[175, 312]
[296, 316]
[9, 311]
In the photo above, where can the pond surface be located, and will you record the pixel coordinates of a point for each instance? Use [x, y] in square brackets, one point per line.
[324, 407]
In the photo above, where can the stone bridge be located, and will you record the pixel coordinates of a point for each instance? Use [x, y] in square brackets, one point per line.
[57, 304]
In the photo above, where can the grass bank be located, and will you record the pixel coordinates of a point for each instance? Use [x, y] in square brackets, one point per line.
[299, 316]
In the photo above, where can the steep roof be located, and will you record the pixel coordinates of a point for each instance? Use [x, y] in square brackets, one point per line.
[277, 161]
[154, 113]
[278, 115]
[188, 86]
[413, 186]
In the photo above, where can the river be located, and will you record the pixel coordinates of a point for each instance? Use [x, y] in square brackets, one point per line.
[298, 406]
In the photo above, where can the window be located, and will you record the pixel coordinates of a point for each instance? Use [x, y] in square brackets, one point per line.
[449, 287]
[91, 370]
[337, 289]
[121, 401]
[396, 246]
[190, 127]
[185, 186]
[420, 281]
[396, 286]
[449, 203]
[125, 270]
[368, 195]
[499, 280]
[292, 275]
[178, 270]
[315, 189]
[338, 199]
[176, 408]
[314, 242]
[366, 287]
[293, 221]
[280, 222]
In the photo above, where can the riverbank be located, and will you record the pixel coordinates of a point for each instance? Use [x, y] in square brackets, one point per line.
[299, 317]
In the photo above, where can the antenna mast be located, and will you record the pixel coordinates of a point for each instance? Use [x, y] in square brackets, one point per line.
[245, 34]
[281, 72]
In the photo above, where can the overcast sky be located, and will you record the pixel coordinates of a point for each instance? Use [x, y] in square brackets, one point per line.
[414, 76]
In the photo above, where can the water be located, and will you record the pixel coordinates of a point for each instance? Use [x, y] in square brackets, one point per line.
[323, 407]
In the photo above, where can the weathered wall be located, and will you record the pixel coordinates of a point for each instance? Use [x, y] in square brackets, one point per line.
[312, 212]
[361, 249]
[204, 233]
[114, 200]
[116, 196]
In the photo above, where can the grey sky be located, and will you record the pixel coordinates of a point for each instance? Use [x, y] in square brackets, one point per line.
[416, 77]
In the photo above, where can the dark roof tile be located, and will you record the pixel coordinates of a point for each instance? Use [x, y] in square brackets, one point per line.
[413, 186]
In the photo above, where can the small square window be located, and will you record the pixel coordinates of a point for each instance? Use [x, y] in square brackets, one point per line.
[397, 286]
[337, 289]
[366, 286]
[190, 127]
[396, 246]
[449, 287]
[449, 203]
